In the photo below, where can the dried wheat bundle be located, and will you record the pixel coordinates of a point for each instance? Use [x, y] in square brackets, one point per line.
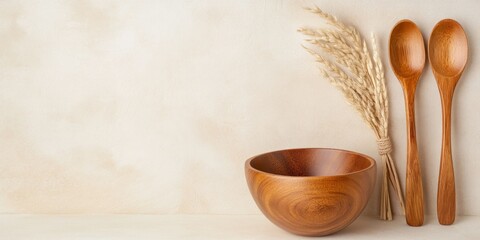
[359, 75]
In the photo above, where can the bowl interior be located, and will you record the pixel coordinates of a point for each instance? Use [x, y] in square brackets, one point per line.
[311, 162]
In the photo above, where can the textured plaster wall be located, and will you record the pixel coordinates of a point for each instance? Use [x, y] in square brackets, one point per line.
[153, 106]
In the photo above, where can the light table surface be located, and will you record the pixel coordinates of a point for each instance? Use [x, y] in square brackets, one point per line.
[215, 227]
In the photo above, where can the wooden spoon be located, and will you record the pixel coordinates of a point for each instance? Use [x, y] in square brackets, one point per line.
[448, 50]
[407, 57]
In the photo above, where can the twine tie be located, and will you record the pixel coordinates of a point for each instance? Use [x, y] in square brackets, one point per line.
[384, 146]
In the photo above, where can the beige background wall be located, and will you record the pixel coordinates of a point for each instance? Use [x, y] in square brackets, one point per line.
[153, 106]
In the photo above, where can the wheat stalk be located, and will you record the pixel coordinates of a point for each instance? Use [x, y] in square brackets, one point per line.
[360, 77]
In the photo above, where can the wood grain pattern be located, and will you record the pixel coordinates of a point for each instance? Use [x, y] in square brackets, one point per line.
[448, 50]
[407, 57]
[312, 192]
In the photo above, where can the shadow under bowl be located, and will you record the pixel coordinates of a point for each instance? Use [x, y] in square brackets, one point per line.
[311, 191]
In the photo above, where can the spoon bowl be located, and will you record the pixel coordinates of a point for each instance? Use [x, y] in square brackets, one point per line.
[448, 48]
[407, 50]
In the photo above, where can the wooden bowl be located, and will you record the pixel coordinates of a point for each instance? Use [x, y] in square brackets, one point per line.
[311, 191]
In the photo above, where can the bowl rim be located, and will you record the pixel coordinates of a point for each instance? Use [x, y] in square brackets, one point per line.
[370, 159]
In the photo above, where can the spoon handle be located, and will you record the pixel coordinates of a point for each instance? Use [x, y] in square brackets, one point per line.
[446, 181]
[414, 209]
